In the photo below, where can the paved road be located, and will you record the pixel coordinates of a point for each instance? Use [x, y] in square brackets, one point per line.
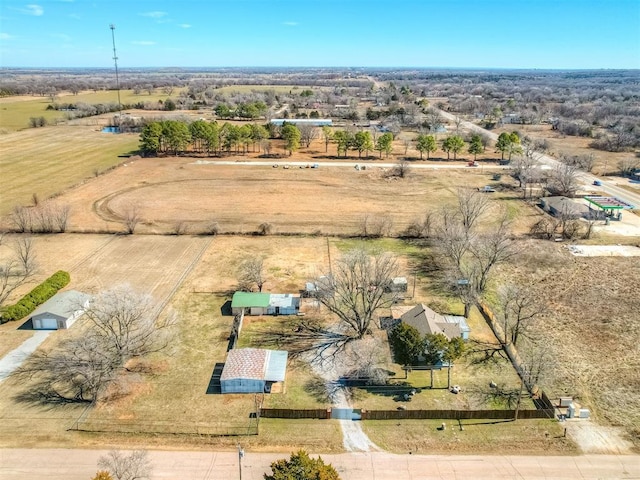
[587, 179]
[26, 464]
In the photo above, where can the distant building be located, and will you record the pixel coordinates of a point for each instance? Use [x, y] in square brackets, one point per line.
[316, 122]
[565, 207]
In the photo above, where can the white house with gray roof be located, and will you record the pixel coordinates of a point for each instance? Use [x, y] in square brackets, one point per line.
[60, 311]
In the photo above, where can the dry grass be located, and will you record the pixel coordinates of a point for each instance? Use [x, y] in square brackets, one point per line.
[328, 200]
[524, 437]
[592, 327]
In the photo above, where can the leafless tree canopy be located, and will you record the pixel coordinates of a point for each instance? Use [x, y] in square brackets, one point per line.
[128, 322]
[519, 306]
[251, 273]
[134, 466]
[471, 255]
[19, 266]
[131, 218]
[356, 288]
[123, 325]
[564, 180]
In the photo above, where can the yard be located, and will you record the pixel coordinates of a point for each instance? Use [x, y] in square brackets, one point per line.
[164, 400]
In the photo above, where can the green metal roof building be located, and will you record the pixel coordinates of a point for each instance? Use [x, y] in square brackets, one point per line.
[258, 303]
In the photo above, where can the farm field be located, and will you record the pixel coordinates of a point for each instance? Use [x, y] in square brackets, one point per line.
[15, 112]
[328, 200]
[47, 161]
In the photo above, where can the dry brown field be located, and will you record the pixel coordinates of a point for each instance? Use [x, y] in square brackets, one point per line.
[591, 327]
[327, 200]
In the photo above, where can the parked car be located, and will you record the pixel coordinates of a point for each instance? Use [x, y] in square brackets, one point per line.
[597, 183]
[487, 189]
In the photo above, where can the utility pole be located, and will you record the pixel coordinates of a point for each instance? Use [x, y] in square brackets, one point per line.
[240, 455]
[115, 61]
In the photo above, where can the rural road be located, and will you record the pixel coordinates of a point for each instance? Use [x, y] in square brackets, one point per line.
[351, 164]
[587, 179]
[60, 464]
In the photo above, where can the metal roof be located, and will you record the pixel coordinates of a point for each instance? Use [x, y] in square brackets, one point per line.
[255, 364]
[63, 304]
[607, 203]
[282, 300]
[250, 299]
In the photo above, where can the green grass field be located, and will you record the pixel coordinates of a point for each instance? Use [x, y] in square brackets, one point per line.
[47, 161]
[15, 112]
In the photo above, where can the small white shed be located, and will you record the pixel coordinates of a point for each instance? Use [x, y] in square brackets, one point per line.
[60, 311]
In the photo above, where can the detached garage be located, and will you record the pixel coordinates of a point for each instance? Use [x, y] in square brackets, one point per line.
[60, 311]
[253, 370]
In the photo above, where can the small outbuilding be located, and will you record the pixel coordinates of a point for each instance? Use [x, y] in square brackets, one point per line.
[253, 370]
[60, 311]
[565, 207]
[258, 303]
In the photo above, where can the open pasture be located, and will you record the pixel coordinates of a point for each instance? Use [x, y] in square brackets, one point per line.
[47, 161]
[15, 112]
[327, 200]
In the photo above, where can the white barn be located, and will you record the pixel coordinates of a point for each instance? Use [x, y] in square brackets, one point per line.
[60, 311]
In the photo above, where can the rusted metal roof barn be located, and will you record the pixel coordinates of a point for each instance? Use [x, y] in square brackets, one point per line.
[253, 370]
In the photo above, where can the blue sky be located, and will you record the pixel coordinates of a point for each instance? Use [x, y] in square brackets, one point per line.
[560, 34]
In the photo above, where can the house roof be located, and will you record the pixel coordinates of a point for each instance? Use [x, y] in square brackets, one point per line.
[63, 304]
[250, 299]
[426, 321]
[566, 205]
[255, 364]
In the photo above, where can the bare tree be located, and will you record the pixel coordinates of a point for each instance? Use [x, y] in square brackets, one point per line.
[135, 466]
[628, 165]
[251, 272]
[308, 133]
[564, 180]
[375, 226]
[78, 370]
[18, 267]
[21, 219]
[471, 206]
[400, 170]
[519, 308]
[356, 289]
[129, 324]
[131, 218]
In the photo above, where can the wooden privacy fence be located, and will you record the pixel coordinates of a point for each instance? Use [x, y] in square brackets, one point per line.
[452, 414]
[323, 414]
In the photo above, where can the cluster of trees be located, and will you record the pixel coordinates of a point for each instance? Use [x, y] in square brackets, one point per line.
[360, 141]
[35, 122]
[250, 110]
[175, 136]
[411, 348]
[44, 217]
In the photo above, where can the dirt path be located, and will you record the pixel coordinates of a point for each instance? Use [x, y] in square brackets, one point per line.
[592, 438]
[354, 438]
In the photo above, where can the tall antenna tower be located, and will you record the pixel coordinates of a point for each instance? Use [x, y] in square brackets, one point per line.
[115, 61]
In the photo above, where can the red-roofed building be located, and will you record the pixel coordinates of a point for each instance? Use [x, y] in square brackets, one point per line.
[253, 370]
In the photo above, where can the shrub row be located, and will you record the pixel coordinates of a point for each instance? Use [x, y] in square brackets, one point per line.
[35, 297]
